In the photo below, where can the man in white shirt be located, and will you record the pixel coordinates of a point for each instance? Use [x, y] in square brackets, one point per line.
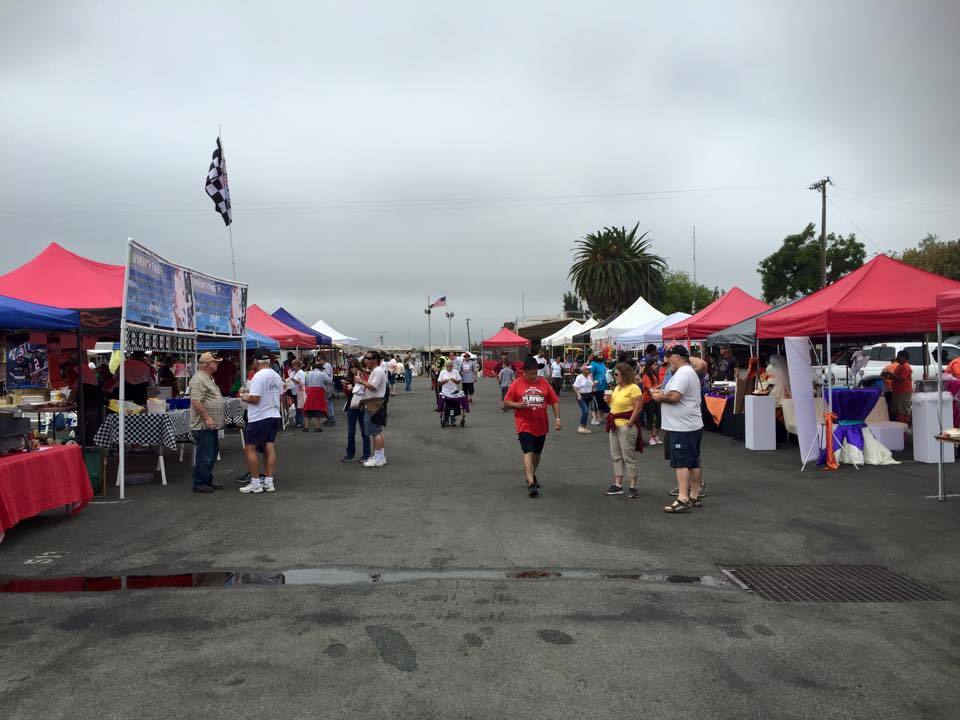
[681, 417]
[263, 424]
[328, 387]
[375, 410]
[468, 374]
[541, 364]
[556, 375]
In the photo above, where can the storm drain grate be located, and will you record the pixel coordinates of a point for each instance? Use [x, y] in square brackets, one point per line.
[830, 583]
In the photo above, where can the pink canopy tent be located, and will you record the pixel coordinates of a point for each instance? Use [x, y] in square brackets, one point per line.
[265, 324]
[884, 297]
[948, 310]
[60, 278]
[728, 309]
[505, 340]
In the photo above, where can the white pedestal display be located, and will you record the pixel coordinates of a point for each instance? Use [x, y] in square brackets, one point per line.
[925, 425]
[760, 424]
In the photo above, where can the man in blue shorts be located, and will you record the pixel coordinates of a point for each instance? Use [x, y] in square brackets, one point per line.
[681, 418]
[263, 424]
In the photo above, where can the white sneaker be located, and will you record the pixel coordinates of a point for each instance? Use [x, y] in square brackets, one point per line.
[653, 441]
[594, 422]
[253, 487]
[583, 430]
[268, 486]
[375, 462]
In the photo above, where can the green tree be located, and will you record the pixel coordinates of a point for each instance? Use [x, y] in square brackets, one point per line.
[613, 267]
[680, 293]
[794, 269]
[572, 302]
[934, 255]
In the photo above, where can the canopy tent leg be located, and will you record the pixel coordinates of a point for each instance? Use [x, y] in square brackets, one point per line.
[941, 490]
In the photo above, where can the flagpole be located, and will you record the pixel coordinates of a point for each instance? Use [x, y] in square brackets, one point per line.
[223, 154]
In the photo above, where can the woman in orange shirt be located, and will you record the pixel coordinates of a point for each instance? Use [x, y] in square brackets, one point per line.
[651, 410]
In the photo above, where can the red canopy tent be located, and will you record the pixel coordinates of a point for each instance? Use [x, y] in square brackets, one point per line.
[730, 308]
[265, 324]
[505, 340]
[64, 279]
[883, 297]
[948, 310]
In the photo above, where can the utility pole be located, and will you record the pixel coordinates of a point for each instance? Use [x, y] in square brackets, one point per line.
[468, 337]
[693, 300]
[822, 187]
[429, 343]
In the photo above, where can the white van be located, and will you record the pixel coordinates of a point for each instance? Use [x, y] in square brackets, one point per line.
[882, 354]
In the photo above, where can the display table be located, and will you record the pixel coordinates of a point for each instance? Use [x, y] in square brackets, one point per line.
[233, 411]
[760, 422]
[927, 425]
[853, 441]
[46, 479]
[717, 412]
[159, 430]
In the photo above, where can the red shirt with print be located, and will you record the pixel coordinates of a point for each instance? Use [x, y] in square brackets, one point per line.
[537, 396]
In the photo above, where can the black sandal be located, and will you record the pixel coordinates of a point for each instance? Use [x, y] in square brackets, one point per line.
[696, 502]
[677, 506]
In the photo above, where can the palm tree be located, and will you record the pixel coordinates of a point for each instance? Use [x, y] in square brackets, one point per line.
[613, 267]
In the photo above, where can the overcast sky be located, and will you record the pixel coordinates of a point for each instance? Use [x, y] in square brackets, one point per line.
[383, 152]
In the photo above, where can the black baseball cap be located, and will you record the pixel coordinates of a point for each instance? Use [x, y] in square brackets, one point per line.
[530, 363]
[261, 355]
[680, 350]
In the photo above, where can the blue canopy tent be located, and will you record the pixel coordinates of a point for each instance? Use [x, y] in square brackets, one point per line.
[292, 322]
[22, 315]
[255, 341]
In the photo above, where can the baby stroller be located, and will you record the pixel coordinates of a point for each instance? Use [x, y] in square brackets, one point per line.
[451, 408]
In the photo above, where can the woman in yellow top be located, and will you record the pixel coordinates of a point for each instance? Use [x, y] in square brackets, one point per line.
[625, 401]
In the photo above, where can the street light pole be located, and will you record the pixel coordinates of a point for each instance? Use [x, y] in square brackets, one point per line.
[468, 336]
[449, 328]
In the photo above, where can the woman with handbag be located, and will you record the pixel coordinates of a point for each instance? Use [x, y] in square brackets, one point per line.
[353, 407]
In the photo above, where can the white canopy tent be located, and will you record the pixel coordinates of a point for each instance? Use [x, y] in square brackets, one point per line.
[652, 332]
[639, 314]
[337, 338]
[567, 337]
[570, 328]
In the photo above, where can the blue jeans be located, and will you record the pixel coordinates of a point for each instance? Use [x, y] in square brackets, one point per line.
[299, 417]
[407, 379]
[330, 417]
[355, 419]
[584, 404]
[208, 446]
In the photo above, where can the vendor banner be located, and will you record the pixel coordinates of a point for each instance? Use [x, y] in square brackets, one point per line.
[27, 365]
[159, 293]
[221, 306]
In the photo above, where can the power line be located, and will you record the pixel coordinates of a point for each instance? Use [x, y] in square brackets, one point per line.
[863, 232]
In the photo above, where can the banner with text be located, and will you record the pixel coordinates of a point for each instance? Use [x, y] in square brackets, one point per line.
[221, 306]
[159, 293]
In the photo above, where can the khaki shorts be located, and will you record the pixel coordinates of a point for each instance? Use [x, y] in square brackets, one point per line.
[901, 404]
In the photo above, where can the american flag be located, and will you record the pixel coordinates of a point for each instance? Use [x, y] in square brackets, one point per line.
[217, 186]
[439, 302]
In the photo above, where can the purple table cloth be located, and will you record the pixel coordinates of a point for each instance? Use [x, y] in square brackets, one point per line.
[851, 406]
[952, 385]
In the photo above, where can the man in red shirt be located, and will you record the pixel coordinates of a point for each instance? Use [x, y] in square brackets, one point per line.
[900, 376]
[528, 397]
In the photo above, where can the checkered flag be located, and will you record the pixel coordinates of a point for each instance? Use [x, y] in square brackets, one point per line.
[217, 186]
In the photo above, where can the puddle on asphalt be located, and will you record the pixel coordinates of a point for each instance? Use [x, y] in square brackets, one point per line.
[321, 576]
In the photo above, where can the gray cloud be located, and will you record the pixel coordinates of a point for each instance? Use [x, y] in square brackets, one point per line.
[383, 152]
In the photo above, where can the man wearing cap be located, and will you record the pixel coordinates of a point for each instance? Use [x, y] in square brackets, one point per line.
[681, 417]
[206, 420]
[529, 396]
[263, 424]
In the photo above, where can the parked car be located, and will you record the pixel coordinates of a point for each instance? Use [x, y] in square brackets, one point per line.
[882, 354]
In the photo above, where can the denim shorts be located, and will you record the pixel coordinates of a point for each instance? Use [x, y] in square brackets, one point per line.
[685, 448]
[369, 427]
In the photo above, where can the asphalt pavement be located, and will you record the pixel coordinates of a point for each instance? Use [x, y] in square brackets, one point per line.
[462, 622]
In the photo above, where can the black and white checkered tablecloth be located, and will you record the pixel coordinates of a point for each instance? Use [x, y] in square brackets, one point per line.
[233, 412]
[145, 429]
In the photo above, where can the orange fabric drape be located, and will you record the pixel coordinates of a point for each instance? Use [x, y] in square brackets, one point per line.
[828, 418]
[716, 406]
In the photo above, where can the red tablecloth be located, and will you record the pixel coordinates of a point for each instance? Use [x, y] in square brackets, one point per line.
[42, 480]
